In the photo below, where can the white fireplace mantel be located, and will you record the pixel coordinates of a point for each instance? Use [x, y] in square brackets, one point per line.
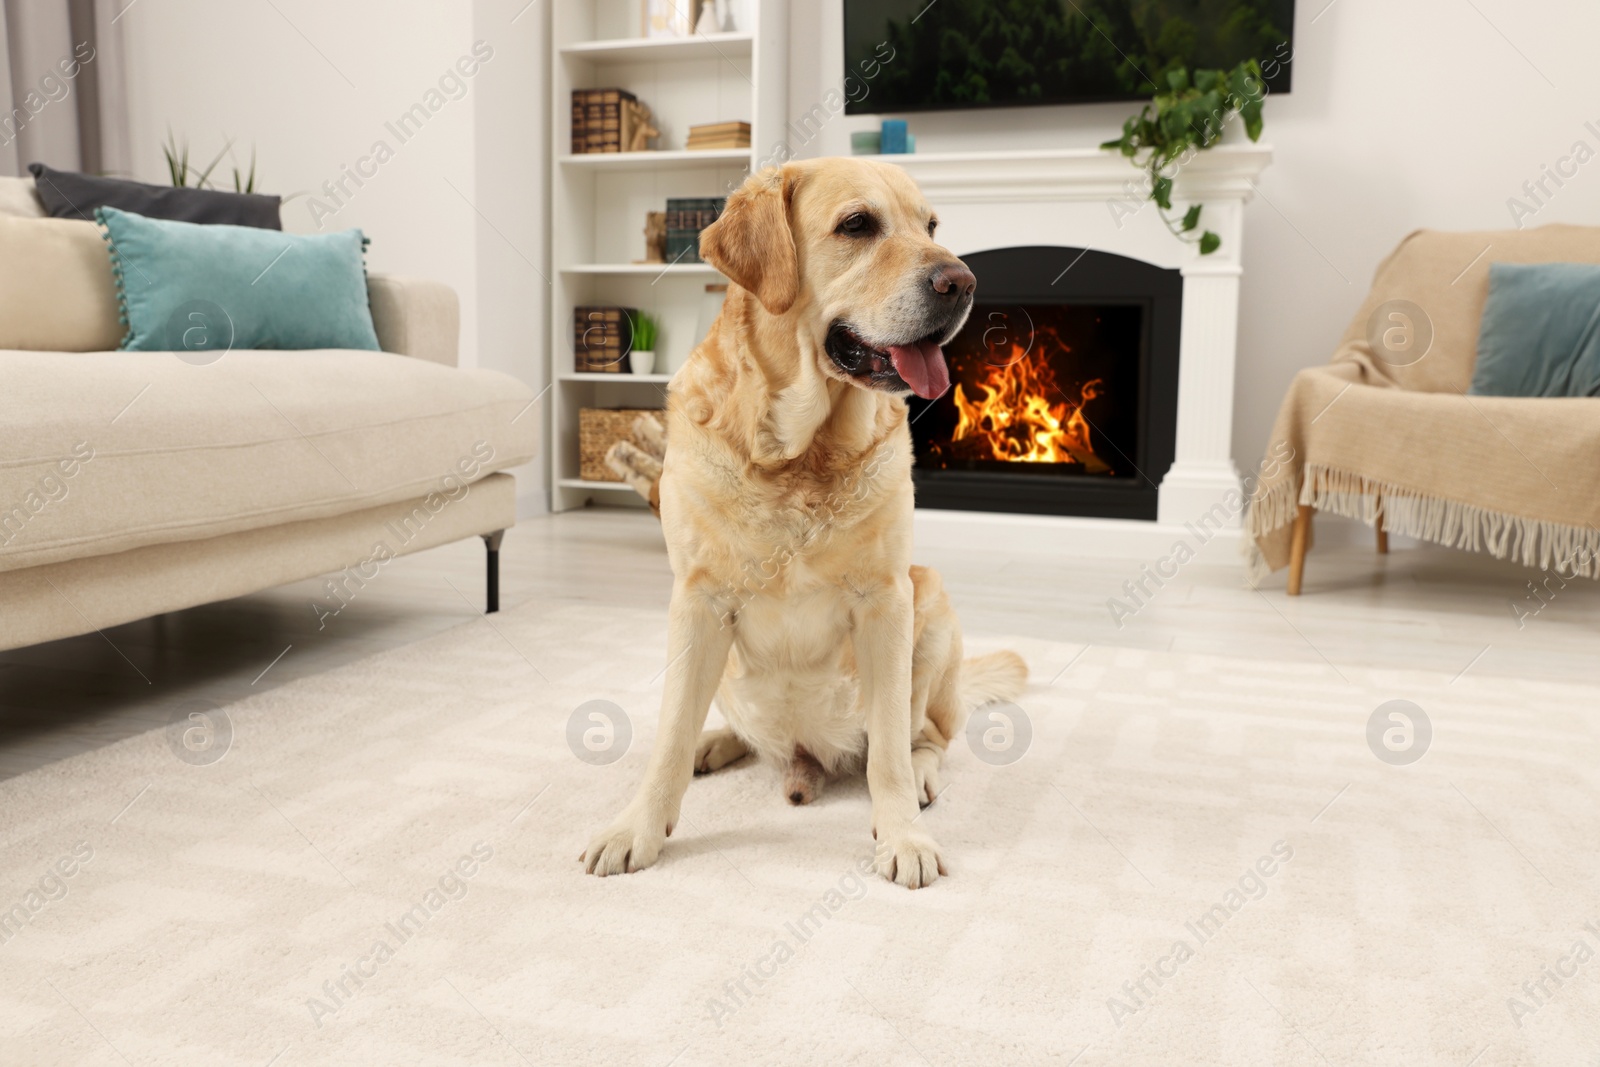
[1090, 198]
[1227, 172]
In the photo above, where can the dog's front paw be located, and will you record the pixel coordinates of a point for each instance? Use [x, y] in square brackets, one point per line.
[910, 859]
[627, 845]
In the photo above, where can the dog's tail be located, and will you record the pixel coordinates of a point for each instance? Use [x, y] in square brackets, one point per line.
[996, 676]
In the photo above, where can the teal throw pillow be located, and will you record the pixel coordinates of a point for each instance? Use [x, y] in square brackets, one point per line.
[1540, 334]
[187, 287]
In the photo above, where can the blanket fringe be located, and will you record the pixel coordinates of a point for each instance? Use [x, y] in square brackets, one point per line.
[1268, 511]
[1569, 550]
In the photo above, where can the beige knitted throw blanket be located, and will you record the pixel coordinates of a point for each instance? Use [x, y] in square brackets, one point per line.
[1386, 432]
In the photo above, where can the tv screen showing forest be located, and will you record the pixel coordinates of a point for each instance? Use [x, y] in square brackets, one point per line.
[915, 56]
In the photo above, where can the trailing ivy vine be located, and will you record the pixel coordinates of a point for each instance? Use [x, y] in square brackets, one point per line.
[1187, 119]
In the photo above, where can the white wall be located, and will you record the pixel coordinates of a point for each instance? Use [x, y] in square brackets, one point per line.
[1403, 115]
[314, 86]
[512, 197]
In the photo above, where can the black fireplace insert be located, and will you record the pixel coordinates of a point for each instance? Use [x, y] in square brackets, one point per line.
[1064, 394]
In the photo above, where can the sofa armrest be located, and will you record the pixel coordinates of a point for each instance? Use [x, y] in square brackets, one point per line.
[415, 317]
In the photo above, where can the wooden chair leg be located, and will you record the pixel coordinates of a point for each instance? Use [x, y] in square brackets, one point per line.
[1383, 535]
[1297, 547]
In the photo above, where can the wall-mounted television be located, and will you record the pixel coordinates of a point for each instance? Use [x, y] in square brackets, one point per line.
[954, 54]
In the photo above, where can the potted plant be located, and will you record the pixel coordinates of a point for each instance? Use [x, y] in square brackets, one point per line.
[1187, 119]
[642, 351]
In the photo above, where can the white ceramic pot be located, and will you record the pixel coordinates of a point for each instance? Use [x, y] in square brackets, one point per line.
[642, 361]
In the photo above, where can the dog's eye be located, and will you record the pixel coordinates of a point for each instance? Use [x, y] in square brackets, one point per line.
[933, 224]
[858, 225]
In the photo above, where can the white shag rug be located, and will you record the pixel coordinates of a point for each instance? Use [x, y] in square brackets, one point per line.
[1197, 860]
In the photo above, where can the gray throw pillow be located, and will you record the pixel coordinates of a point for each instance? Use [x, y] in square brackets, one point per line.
[69, 195]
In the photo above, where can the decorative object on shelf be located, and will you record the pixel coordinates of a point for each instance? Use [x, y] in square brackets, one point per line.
[685, 219]
[655, 237]
[710, 308]
[668, 18]
[638, 459]
[870, 143]
[716, 135]
[601, 339]
[710, 21]
[642, 352]
[1188, 119]
[636, 128]
[893, 137]
[598, 430]
[866, 142]
[597, 119]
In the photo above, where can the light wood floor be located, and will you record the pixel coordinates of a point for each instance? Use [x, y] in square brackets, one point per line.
[1420, 606]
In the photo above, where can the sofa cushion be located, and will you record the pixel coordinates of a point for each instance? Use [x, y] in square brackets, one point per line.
[109, 451]
[19, 197]
[56, 289]
[69, 195]
[209, 289]
[1540, 334]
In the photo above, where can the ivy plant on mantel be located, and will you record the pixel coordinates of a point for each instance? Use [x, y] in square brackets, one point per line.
[1190, 117]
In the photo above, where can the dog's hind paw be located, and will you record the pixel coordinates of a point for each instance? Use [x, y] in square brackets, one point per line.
[718, 748]
[925, 762]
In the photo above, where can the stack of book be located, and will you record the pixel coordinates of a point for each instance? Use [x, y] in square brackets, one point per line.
[597, 120]
[685, 219]
[719, 135]
[601, 338]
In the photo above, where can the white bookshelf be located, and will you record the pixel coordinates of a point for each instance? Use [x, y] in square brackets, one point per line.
[658, 161]
[599, 201]
[704, 270]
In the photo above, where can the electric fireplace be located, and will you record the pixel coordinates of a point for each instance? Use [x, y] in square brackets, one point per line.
[1064, 388]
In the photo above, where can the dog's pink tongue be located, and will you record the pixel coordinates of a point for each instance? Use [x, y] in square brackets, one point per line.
[923, 367]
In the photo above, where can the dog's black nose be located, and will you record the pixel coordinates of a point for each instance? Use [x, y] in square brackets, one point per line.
[954, 280]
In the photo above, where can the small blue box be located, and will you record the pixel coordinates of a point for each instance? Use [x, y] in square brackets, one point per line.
[894, 137]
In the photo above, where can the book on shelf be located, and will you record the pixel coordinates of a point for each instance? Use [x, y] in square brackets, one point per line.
[719, 135]
[597, 120]
[601, 339]
[686, 217]
[718, 145]
[712, 128]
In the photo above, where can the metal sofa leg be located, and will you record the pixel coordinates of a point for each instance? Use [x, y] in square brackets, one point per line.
[491, 541]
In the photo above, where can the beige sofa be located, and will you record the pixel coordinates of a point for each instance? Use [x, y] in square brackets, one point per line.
[138, 483]
[1388, 432]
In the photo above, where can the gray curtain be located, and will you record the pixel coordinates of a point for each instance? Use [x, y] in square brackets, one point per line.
[62, 85]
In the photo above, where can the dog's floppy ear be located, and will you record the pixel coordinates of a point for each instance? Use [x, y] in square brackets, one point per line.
[752, 242]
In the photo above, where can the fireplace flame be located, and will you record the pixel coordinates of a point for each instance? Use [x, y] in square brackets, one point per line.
[1016, 418]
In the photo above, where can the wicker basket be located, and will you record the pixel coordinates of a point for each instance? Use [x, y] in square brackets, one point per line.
[598, 430]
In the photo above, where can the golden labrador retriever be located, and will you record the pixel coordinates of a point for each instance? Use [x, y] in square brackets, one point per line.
[786, 501]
